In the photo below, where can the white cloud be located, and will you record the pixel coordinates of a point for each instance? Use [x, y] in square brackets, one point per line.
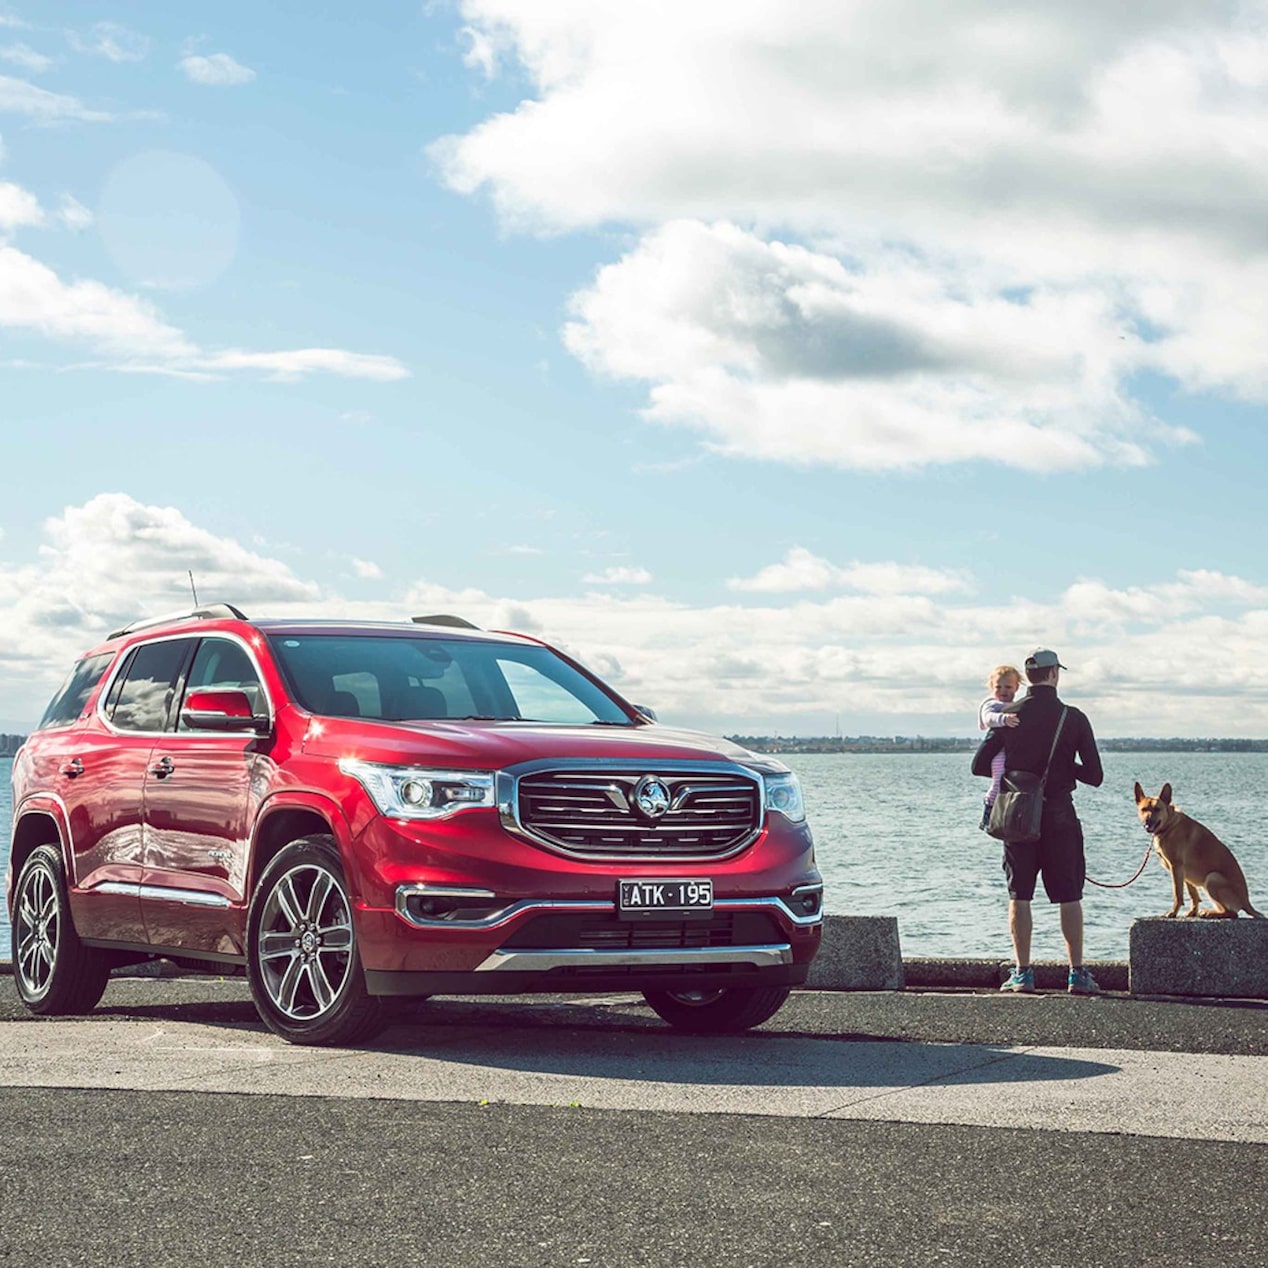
[73, 214]
[17, 96]
[110, 40]
[108, 562]
[216, 70]
[366, 569]
[1140, 660]
[863, 248]
[18, 207]
[774, 351]
[26, 57]
[481, 52]
[802, 570]
[131, 334]
[619, 576]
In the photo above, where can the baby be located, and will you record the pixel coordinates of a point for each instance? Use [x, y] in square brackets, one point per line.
[998, 709]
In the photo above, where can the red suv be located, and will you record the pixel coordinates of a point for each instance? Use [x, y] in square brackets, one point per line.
[359, 811]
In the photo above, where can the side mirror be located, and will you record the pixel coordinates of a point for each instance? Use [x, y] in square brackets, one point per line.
[221, 711]
[647, 711]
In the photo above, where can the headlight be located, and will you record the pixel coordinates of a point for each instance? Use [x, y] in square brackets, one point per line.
[413, 792]
[783, 793]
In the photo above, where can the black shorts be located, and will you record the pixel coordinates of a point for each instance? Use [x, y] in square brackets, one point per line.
[1057, 856]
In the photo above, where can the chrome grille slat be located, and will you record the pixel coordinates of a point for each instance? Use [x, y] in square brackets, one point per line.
[711, 815]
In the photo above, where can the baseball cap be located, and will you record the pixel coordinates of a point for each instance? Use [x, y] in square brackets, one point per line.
[1043, 658]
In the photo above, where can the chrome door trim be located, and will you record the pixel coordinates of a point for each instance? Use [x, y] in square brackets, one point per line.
[163, 894]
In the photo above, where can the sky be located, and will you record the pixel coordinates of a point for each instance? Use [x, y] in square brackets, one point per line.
[791, 365]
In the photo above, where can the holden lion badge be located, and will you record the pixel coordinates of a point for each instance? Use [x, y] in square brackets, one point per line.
[651, 797]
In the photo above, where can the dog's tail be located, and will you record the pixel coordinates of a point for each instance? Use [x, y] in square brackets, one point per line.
[1250, 911]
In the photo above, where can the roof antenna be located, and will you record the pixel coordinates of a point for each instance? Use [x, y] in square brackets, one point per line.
[193, 588]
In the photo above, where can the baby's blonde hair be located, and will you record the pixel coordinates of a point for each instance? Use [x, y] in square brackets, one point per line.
[1003, 671]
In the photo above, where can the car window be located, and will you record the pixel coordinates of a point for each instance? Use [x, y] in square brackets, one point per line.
[415, 678]
[145, 699]
[222, 664]
[541, 699]
[72, 696]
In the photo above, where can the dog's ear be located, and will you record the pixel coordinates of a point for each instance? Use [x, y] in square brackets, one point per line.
[1140, 794]
[1165, 795]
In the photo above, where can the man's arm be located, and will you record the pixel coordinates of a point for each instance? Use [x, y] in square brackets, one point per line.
[1088, 769]
[986, 751]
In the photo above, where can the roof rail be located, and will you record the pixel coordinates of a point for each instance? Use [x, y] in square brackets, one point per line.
[208, 612]
[444, 618]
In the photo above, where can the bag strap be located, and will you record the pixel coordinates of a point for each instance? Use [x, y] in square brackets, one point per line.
[1053, 749]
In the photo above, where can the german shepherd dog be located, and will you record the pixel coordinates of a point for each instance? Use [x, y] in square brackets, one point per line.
[1195, 857]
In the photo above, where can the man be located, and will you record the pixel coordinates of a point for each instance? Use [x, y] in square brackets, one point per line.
[1058, 854]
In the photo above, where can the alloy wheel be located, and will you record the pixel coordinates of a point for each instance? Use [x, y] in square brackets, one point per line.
[305, 942]
[37, 929]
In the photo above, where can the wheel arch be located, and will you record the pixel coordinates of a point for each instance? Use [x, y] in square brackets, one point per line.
[36, 826]
[285, 822]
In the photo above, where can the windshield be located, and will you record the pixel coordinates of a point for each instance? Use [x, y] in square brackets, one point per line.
[403, 678]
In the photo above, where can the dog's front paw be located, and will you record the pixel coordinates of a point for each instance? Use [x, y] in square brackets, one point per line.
[1170, 915]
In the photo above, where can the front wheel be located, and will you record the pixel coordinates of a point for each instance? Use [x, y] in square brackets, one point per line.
[302, 959]
[718, 1012]
[54, 972]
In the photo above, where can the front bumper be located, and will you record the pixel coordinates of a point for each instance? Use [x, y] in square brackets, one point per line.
[562, 947]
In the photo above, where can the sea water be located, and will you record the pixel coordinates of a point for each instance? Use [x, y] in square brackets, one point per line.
[897, 835]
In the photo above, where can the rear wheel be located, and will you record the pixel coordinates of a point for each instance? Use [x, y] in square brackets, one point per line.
[302, 959]
[720, 1011]
[54, 972]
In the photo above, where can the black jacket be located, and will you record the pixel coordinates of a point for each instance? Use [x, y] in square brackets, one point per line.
[1026, 746]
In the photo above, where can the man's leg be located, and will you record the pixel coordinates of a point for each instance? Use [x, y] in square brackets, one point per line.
[1020, 927]
[1081, 982]
[1072, 932]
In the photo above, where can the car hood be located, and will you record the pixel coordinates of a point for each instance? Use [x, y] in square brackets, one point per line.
[497, 745]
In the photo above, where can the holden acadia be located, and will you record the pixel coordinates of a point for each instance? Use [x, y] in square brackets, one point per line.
[353, 812]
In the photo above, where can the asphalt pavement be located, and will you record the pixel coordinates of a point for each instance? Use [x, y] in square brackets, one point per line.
[913, 1127]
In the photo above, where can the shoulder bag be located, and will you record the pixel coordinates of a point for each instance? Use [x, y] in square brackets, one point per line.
[1018, 810]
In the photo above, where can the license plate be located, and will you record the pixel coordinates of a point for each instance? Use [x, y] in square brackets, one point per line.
[676, 897]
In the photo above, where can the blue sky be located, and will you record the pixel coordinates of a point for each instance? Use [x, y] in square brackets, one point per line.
[787, 367]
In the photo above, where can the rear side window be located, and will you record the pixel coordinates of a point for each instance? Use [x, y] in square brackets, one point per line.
[73, 695]
[145, 698]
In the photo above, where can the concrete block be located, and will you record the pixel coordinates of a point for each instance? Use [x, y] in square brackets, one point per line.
[858, 953]
[1219, 958]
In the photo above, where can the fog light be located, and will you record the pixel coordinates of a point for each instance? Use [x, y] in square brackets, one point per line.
[807, 901]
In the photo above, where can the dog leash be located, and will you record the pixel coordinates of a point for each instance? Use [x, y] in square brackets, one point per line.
[1124, 884]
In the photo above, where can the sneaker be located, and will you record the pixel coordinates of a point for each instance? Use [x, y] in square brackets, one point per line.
[1081, 982]
[1022, 981]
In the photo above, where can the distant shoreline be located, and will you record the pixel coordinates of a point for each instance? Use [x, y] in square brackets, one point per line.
[964, 744]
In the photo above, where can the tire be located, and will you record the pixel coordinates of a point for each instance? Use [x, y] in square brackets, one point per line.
[54, 972]
[718, 1012]
[302, 959]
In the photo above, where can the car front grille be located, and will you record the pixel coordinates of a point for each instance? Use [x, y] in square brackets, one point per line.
[595, 814]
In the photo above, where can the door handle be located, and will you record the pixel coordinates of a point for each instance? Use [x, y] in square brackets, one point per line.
[72, 768]
[162, 768]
